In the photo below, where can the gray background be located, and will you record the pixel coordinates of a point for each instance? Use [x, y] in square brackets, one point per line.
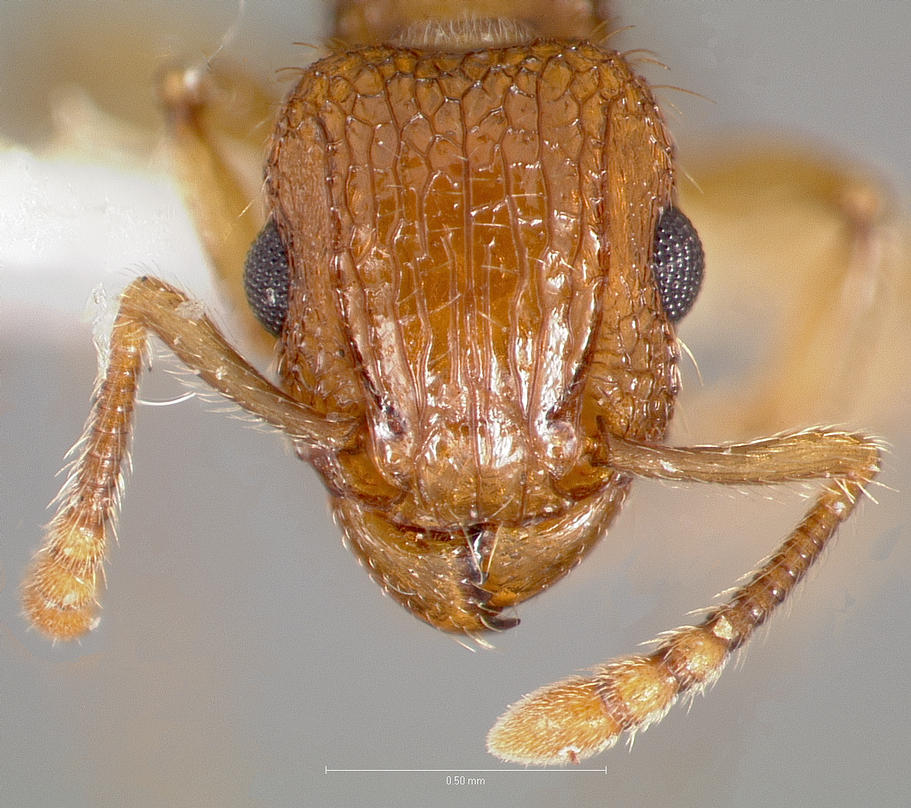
[242, 650]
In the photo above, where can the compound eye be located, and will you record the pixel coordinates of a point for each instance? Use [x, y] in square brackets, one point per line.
[677, 263]
[266, 279]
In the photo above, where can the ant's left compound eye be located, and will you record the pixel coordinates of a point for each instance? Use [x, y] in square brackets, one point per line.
[677, 263]
[266, 279]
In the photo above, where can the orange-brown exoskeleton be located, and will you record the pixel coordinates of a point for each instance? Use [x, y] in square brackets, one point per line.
[474, 265]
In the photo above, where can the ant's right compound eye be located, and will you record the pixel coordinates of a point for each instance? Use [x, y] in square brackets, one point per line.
[267, 277]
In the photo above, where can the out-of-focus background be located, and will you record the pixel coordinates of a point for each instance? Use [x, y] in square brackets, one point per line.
[242, 652]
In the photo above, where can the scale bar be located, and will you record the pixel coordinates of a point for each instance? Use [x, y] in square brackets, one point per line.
[573, 770]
